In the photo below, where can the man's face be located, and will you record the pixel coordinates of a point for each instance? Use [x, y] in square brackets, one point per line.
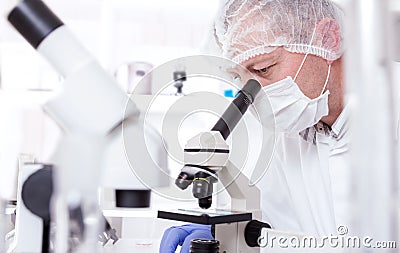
[279, 64]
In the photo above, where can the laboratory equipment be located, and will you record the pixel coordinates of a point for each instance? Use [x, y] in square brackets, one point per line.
[207, 161]
[179, 76]
[129, 75]
[201, 246]
[91, 130]
[32, 223]
[215, 148]
[33, 218]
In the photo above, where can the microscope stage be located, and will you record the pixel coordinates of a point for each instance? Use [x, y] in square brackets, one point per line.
[207, 217]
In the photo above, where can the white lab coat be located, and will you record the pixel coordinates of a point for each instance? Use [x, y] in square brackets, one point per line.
[305, 188]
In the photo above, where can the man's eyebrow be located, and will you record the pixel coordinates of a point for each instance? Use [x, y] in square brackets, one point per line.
[266, 58]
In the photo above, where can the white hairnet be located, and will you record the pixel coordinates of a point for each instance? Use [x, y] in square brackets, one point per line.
[246, 28]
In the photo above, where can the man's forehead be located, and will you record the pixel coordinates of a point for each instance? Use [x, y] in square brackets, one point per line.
[262, 58]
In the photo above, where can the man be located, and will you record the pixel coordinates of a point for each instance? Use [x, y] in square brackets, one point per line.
[293, 48]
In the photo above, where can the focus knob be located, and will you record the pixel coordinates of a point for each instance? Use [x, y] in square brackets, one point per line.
[37, 191]
[252, 232]
[204, 246]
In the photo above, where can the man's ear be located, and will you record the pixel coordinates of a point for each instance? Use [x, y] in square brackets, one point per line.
[328, 34]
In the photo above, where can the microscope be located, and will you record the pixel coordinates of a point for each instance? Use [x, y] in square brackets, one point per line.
[207, 161]
[103, 138]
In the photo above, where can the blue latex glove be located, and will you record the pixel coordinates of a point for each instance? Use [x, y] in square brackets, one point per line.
[182, 236]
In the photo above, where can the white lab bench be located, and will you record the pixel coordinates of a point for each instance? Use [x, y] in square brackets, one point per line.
[139, 229]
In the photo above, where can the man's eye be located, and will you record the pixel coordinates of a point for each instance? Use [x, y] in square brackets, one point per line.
[262, 71]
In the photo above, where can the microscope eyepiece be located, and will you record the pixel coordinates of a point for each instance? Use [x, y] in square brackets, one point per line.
[34, 21]
[237, 108]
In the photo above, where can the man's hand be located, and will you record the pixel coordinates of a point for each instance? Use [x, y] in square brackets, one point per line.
[182, 236]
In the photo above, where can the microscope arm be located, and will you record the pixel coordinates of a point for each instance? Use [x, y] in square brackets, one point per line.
[239, 189]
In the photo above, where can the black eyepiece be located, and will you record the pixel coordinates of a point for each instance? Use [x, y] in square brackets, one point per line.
[34, 21]
[237, 108]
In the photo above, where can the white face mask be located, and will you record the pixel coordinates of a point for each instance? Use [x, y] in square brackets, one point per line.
[292, 110]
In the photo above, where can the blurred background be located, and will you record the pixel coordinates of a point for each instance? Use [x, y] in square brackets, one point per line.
[115, 31]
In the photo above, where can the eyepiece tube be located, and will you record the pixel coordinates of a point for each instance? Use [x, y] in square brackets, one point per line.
[237, 108]
[50, 37]
[34, 21]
